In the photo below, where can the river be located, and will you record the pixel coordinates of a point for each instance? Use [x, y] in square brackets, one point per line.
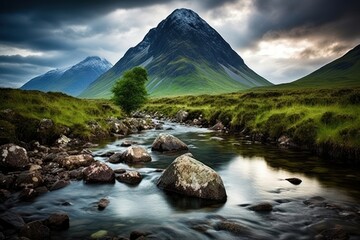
[251, 173]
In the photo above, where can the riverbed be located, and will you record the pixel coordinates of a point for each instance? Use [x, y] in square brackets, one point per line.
[327, 199]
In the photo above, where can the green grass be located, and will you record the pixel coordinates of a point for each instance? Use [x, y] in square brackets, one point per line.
[309, 116]
[64, 110]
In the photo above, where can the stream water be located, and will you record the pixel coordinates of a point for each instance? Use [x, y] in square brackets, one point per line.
[251, 173]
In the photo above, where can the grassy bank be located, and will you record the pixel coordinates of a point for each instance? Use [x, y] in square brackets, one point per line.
[21, 112]
[325, 120]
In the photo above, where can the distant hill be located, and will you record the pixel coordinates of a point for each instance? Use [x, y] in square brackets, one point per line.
[72, 80]
[183, 55]
[342, 72]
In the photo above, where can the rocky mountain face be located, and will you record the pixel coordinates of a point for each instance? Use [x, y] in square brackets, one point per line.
[72, 80]
[183, 55]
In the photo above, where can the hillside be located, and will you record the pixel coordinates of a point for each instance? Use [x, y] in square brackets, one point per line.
[71, 80]
[183, 56]
[324, 120]
[21, 111]
[342, 72]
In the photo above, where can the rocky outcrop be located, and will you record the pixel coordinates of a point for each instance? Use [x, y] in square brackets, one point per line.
[99, 173]
[189, 177]
[166, 142]
[76, 161]
[181, 116]
[13, 157]
[135, 154]
[130, 177]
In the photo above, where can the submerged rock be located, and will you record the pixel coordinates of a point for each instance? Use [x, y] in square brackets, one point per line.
[35, 230]
[115, 158]
[13, 156]
[135, 154]
[130, 177]
[99, 234]
[99, 173]
[166, 142]
[103, 203]
[295, 181]
[187, 176]
[261, 207]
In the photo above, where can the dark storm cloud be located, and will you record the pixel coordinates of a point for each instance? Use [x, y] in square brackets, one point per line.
[213, 4]
[296, 19]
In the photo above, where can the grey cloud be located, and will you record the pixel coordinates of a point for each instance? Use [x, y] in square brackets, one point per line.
[301, 18]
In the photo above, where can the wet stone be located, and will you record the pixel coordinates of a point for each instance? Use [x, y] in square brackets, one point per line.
[35, 230]
[103, 203]
[58, 221]
[261, 207]
[59, 184]
[130, 177]
[295, 181]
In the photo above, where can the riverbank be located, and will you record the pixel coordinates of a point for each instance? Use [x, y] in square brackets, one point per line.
[325, 121]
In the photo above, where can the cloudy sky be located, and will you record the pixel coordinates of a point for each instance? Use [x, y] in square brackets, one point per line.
[282, 40]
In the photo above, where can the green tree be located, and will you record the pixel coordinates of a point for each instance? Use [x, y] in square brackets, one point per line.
[129, 92]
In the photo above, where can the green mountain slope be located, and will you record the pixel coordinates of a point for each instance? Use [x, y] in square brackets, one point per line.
[183, 55]
[343, 72]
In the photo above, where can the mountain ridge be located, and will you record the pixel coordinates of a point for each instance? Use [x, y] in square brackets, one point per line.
[343, 72]
[70, 80]
[183, 55]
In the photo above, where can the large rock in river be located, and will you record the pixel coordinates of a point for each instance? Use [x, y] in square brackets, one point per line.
[76, 161]
[135, 154]
[13, 156]
[187, 176]
[166, 142]
[99, 173]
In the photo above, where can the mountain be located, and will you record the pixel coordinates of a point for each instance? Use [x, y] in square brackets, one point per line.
[183, 55]
[342, 72]
[72, 80]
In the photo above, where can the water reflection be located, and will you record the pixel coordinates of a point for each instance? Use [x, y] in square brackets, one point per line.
[251, 173]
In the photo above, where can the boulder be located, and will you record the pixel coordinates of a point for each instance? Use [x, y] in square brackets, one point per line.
[166, 142]
[62, 140]
[11, 220]
[58, 221]
[46, 131]
[135, 154]
[98, 173]
[27, 194]
[187, 176]
[181, 116]
[61, 183]
[76, 161]
[29, 179]
[130, 177]
[218, 127]
[35, 230]
[13, 157]
[115, 158]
